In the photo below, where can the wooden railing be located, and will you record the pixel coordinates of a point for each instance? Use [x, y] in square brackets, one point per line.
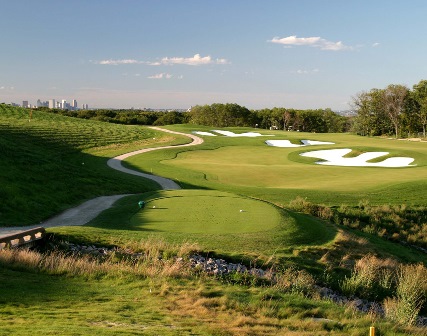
[22, 238]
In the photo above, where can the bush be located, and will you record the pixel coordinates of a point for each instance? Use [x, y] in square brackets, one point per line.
[410, 296]
[371, 277]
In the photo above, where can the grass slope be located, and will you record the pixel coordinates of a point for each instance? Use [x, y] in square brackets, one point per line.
[122, 301]
[50, 163]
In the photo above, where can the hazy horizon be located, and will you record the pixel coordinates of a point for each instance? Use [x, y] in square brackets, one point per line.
[169, 54]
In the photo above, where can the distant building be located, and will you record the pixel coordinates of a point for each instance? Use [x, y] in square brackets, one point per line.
[54, 104]
[42, 104]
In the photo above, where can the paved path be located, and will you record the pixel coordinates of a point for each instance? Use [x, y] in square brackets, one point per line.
[88, 210]
[166, 184]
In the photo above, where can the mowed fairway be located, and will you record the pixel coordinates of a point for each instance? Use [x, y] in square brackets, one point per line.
[249, 166]
[272, 168]
[198, 211]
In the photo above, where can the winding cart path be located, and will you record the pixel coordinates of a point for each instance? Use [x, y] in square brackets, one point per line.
[88, 210]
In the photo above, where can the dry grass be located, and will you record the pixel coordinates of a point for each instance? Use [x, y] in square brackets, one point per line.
[368, 273]
[152, 262]
[411, 293]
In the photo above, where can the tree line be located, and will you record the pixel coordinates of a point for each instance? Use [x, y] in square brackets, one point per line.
[226, 115]
[127, 117]
[222, 115]
[394, 110]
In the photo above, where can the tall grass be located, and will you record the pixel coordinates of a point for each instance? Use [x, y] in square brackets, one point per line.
[371, 277]
[402, 223]
[403, 286]
[156, 259]
[411, 294]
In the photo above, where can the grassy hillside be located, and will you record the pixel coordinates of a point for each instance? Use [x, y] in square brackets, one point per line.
[50, 163]
[58, 293]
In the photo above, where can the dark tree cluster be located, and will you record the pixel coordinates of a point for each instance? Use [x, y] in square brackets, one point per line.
[127, 117]
[227, 115]
[395, 110]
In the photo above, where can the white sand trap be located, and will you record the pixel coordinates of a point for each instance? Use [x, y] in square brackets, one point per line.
[334, 157]
[314, 142]
[204, 133]
[288, 144]
[232, 134]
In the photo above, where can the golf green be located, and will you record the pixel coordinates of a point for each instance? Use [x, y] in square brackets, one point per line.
[205, 211]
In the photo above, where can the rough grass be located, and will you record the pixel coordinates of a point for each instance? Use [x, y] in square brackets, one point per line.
[51, 294]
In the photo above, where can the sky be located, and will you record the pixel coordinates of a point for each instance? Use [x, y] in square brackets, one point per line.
[303, 54]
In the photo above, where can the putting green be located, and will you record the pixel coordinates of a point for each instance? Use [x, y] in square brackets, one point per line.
[205, 211]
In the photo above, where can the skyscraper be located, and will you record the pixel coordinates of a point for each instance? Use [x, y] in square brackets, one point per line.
[52, 103]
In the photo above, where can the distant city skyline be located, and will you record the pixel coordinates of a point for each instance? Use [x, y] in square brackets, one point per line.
[51, 103]
[304, 54]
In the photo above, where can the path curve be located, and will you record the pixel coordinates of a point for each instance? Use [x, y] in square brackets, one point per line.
[166, 184]
[88, 210]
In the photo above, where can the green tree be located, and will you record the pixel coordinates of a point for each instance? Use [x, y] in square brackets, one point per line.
[393, 100]
[420, 96]
[221, 115]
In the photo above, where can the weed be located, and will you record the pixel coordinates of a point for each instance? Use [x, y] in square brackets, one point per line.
[411, 293]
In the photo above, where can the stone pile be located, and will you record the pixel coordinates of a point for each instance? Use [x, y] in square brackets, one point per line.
[358, 304]
[220, 266]
[88, 249]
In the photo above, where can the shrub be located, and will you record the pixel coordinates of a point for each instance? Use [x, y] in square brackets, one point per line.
[410, 296]
[295, 281]
[370, 277]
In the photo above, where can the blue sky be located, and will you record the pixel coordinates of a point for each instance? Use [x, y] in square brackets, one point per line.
[174, 54]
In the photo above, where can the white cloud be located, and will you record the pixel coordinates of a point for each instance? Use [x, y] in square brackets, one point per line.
[316, 42]
[161, 76]
[7, 88]
[195, 60]
[305, 72]
[117, 62]
[376, 44]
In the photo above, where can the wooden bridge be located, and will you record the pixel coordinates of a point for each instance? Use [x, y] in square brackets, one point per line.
[22, 238]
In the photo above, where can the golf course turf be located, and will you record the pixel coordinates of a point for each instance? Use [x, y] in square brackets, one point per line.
[233, 205]
[248, 166]
[203, 211]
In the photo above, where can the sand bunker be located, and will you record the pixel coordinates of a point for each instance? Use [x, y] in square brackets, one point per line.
[230, 134]
[203, 133]
[288, 144]
[334, 157]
